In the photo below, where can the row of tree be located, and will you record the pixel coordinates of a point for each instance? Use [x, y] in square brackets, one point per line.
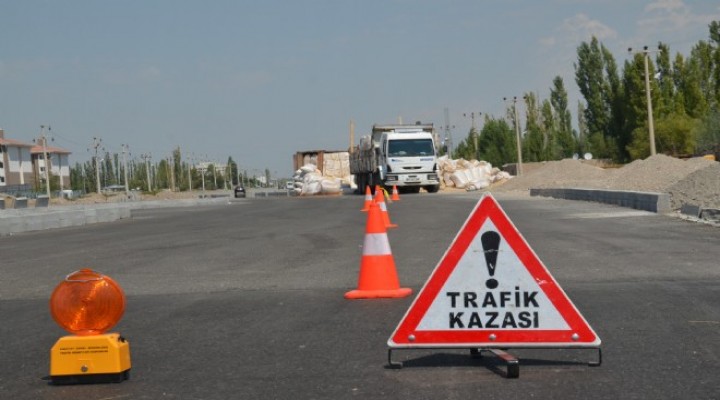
[612, 120]
[172, 173]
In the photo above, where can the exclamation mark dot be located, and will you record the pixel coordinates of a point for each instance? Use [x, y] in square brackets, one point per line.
[490, 243]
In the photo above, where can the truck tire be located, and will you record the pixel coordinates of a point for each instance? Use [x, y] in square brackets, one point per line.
[432, 188]
[360, 182]
[375, 180]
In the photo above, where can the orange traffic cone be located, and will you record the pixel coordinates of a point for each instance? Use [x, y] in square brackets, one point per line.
[368, 199]
[395, 194]
[380, 200]
[378, 277]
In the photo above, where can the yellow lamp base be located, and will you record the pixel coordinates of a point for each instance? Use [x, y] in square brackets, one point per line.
[90, 359]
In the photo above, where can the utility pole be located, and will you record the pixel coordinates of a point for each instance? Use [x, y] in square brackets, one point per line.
[171, 171]
[651, 127]
[190, 165]
[214, 175]
[146, 157]
[125, 150]
[96, 144]
[352, 135]
[517, 134]
[448, 133]
[43, 138]
[202, 172]
[474, 131]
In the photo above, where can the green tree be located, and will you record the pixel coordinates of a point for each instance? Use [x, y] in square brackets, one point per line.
[178, 170]
[466, 148]
[497, 142]
[666, 101]
[551, 143]
[566, 142]
[694, 83]
[590, 79]
[708, 134]
[616, 136]
[233, 171]
[715, 43]
[674, 134]
[534, 138]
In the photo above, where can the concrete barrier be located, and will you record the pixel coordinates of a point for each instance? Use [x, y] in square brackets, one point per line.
[42, 201]
[710, 214]
[34, 219]
[647, 201]
[690, 210]
[21, 202]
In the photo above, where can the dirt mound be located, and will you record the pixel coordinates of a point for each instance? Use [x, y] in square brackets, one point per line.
[695, 181]
[558, 174]
[656, 173]
[700, 188]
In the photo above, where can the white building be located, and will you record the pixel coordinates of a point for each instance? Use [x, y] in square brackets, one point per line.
[22, 165]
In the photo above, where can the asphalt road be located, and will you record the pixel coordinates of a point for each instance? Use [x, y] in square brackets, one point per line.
[245, 301]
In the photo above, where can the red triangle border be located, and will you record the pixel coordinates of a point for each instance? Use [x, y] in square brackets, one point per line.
[580, 333]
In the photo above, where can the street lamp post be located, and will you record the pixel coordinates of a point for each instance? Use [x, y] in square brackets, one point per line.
[146, 157]
[474, 132]
[517, 134]
[651, 127]
[125, 150]
[190, 166]
[45, 157]
[96, 144]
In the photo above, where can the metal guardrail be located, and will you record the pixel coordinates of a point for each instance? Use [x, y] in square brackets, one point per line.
[271, 193]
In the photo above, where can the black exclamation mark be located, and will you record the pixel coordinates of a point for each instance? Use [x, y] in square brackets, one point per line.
[490, 243]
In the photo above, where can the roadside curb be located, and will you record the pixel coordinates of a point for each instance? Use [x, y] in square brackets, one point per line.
[647, 201]
[35, 219]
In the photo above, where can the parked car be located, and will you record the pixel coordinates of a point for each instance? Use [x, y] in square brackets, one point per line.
[239, 192]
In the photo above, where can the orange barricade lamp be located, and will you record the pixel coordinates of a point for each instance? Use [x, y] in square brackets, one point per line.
[87, 304]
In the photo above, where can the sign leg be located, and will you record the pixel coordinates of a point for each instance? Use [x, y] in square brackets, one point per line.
[513, 365]
[393, 364]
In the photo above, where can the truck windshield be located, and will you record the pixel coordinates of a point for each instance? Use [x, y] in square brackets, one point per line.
[410, 148]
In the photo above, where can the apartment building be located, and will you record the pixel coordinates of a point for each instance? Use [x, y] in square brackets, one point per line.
[16, 168]
[22, 165]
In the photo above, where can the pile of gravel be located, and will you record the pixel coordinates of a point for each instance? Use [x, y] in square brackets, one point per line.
[700, 188]
[694, 181]
[557, 174]
[656, 173]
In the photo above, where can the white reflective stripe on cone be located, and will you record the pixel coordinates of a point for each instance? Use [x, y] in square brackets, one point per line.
[376, 244]
[383, 207]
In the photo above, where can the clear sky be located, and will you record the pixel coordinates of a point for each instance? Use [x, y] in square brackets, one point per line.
[260, 80]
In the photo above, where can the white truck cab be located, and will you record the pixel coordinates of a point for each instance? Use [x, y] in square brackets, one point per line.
[398, 155]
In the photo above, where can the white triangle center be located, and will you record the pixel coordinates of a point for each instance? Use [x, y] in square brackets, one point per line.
[466, 302]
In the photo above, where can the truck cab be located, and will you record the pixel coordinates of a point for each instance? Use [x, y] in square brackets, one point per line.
[400, 155]
[408, 160]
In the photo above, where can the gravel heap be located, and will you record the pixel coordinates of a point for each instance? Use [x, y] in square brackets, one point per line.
[694, 181]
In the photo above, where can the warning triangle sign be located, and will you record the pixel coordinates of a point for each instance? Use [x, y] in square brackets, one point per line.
[491, 290]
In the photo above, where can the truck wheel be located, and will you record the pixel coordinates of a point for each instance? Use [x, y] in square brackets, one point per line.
[432, 189]
[360, 182]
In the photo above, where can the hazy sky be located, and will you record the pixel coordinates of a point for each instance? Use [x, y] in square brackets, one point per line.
[260, 80]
